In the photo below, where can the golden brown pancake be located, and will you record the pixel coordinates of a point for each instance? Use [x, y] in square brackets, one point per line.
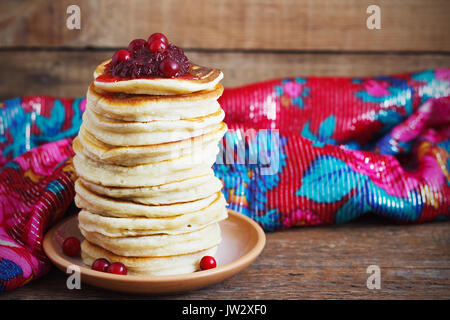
[133, 133]
[143, 175]
[175, 192]
[139, 107]
[85, 199]
[134, 155]
[158, 245]
[139, 226]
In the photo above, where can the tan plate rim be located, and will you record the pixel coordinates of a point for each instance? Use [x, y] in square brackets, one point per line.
[219, 274]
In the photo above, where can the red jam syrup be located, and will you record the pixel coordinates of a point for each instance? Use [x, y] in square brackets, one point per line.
[155, 58]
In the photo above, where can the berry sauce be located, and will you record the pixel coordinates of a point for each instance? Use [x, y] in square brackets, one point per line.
[147, 64]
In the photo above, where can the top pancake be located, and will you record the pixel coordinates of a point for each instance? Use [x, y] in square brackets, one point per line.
[206, 79]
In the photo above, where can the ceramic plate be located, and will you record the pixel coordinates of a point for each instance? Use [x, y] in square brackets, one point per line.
[242, 241]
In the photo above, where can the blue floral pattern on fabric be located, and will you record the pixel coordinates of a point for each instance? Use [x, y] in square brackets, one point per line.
[292, 92]
[8, 272]
[18, 124]
[325, 133]
[329, 179]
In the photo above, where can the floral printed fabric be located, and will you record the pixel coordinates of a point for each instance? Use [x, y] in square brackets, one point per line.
[299, 152]
[343, 147]
[36, 187]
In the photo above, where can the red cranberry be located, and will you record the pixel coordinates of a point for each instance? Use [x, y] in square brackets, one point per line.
[136, 45]
[158, 36]
[169, 67]
[117, 268]
[157, 46]
[100, 264]
[207, 262]
[120, 56]
[71, 246]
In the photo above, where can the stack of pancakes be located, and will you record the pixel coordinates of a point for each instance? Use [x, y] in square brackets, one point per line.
[144, 153]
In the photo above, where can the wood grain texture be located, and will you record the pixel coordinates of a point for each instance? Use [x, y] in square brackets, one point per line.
[407, 25]
[315, 263]
[68, 73]
[253, 40]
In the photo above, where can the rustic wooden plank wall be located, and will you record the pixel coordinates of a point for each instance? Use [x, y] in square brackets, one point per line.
[250, 40]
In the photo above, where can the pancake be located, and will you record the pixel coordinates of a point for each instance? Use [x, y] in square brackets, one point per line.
[124, 127]
[207, 79]
[111, 207]
[104, 178]
[157, 245]
[147, 266]
[119, 133]
[143, 192]
[127, 227]
[179, 191]
[129, 107]
[134, 155]
[144, 175]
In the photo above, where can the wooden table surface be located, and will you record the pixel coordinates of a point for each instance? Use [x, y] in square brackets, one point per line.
[314, 263]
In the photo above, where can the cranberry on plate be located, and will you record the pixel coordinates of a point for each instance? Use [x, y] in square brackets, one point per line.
[100, 264]
[117, 268]
[207, 262]
[71, 246]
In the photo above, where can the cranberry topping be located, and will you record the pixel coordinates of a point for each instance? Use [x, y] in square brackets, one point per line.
[169, 67]
[157, 46]
[136, 45]
[121, 56]
[158, 36]
[158, 58]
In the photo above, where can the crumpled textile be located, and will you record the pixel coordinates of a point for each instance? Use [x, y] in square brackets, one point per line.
[299, 152]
